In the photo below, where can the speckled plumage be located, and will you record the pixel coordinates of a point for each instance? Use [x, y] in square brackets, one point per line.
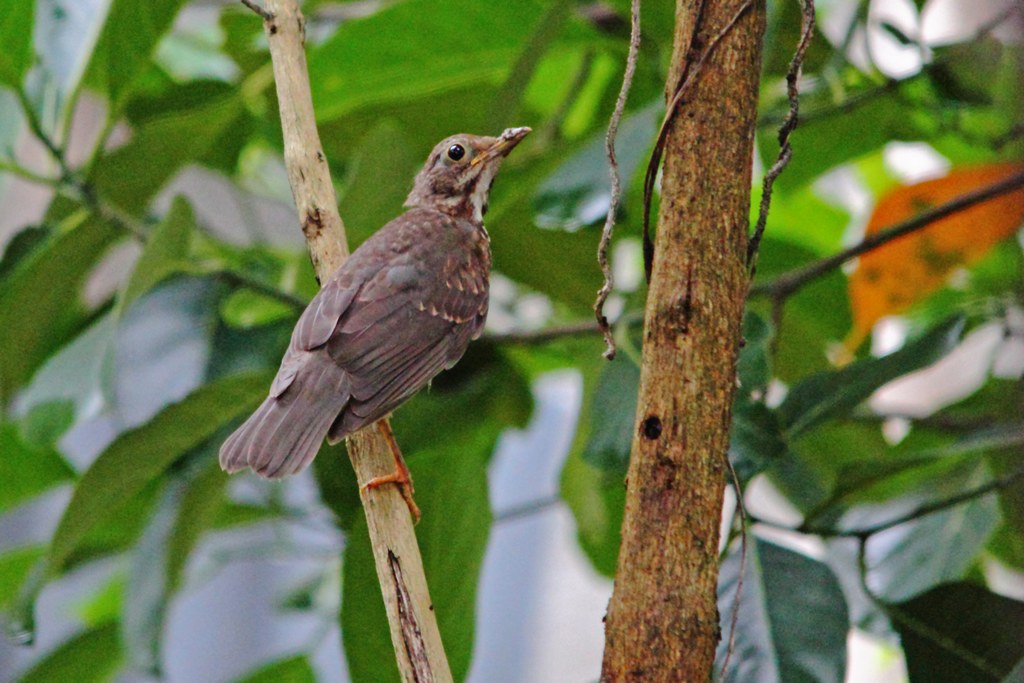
[400, 309]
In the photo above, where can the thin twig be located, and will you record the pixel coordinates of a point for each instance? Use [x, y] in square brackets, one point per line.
[260, 287]
[556, 332]
[264, 13]
[613, 204]
[787, 284]
[864, 533]
[997, 484]
[527, 509]
[28, 174]
[688, 79]
[36, 126]
[858, 99]
[547, 334]
[785, 131]
[741, 508]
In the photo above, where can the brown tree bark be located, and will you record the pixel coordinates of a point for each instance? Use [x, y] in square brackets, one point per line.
[662, 622]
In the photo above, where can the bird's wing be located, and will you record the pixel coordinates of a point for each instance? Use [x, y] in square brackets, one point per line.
[321, 316]
[406, 324]
[315, 326]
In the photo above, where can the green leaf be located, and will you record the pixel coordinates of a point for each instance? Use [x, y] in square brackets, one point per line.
[200, 508]
[793, 620]
[27, 470]
[964, 72]
[15, 565]
[165, 253]
[782, 31]
[116, 533]
[93, 656]
[829, 394]
[596, 497]
[140, 455]
[42, 299]
[244, 308]
[554, 262]
[753, 367]
[372, 197]
[295, 669]
[418, 48]
[146, 594]
[129, 176]
[815, 317]
[16, 36]
[188, 505]
[125, 46]
[756, 440]
[46, 422]
[961, 632]
[612, 413]
[104, 604]
[578, 192]
[22, 245]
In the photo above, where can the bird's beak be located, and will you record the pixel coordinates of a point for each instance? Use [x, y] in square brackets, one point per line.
[509, 139]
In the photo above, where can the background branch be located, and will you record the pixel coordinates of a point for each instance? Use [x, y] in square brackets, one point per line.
[788, 284]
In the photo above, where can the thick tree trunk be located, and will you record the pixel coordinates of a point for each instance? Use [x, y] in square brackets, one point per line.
[662, 622]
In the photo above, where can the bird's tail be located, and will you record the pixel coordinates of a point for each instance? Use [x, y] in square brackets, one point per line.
[286, 431]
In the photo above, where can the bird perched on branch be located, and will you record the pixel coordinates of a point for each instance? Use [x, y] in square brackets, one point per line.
[400, 309]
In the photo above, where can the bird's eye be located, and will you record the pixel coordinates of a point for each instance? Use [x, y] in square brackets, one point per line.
[456, 152]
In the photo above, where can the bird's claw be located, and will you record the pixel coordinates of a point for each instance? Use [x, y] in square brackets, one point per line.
[400, 477]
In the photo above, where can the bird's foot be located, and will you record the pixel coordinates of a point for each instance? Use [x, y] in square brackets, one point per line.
[403, 479]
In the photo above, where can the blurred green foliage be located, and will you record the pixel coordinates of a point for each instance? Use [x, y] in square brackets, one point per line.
[181, 85]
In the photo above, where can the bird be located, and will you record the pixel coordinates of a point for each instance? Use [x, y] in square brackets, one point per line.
[402, 308]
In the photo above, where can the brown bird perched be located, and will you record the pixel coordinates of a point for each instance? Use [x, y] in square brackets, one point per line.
[400, 309]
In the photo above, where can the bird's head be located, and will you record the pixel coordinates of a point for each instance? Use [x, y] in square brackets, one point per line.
[458, 174]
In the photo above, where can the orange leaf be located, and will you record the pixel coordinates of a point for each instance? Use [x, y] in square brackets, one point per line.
[898, 274]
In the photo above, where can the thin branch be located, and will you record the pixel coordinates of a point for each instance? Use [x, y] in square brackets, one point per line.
[789, 283]
[548, 334]
[36, 126]
[997, 484]
[260, 287]
[785, 131]
[264, 13]
[556, 332]
[527, 509]
[858, 99]
[413, 624]
[845, 106]
[688, 78]
[864, 533]
[741, 508]
[613, 204]
[28, 174]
